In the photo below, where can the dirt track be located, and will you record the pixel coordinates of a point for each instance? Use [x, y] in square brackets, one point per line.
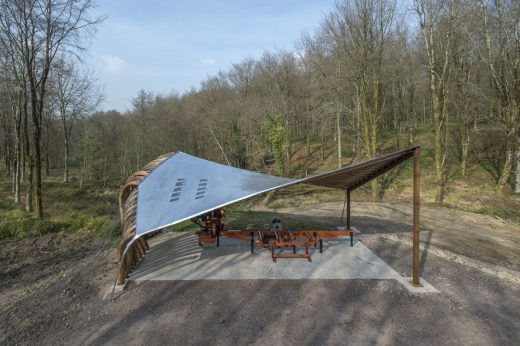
[475, 306]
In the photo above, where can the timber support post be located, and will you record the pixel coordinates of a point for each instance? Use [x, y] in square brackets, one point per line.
[416, 208]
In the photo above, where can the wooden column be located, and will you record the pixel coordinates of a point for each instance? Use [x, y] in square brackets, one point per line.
[416, 207]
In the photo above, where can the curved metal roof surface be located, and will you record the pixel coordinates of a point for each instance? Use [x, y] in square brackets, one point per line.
[185, 186]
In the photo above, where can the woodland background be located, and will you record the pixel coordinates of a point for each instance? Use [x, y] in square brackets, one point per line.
[374, 77]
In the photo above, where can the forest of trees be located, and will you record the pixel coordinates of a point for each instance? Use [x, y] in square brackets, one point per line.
[369, 79]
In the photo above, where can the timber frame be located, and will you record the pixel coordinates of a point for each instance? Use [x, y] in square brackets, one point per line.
[127, 212]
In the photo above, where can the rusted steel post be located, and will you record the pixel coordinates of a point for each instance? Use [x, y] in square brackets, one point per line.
[416, 207]
[348, 208]
[348, 218]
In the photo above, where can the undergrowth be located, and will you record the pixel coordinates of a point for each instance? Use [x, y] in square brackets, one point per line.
[90, 211]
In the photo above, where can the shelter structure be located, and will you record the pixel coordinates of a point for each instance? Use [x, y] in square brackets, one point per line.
[176, 187]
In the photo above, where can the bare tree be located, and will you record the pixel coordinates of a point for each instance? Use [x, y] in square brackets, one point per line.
[465, 70]
[75, 95]
[241, 77]
[436, 20]
[15, 83]
[361, 31]
[142, 101]
[501, 21]
[5, 126]
[37, 31]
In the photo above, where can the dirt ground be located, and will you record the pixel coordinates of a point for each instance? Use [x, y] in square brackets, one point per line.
[53, 291]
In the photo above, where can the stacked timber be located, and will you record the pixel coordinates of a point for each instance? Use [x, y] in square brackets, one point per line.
[127, 212]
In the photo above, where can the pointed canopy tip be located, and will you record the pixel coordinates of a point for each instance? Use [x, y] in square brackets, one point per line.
[354, 175]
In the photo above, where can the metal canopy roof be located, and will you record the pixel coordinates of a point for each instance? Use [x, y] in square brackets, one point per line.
[185, 186]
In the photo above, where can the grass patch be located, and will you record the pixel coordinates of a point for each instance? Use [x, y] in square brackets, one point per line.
[91, 211]
[15, 223]
[509, 214]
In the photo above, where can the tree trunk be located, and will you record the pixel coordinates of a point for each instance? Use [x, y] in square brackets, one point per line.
[13, 181]
[439, 166]
[47, 169]
[338, 132]
[517, 171]
[287, 168]
[322, 145]
[288, 147]
[66, 160]
[398, 135]
[36, 111]
[16, 178]
[27, 160]
[439, 128]
[412, 117]
[308, 138]
[7, 158]
[411, 136]
[464, 156]
[38, 177]
[17, 160]
[506, 169]
[439, 75]
[512, 119]
[83, 169]
[377, 189]
[106, 171]
[377, 192]
[464, 139]
[25, 141]
[23, 162]
[29, 195]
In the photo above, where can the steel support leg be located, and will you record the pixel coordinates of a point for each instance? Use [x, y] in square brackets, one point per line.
[416, 205]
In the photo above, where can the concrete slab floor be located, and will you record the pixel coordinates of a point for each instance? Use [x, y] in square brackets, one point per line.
[177, 256]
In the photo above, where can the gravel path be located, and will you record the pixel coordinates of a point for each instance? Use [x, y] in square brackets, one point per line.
[476, 306]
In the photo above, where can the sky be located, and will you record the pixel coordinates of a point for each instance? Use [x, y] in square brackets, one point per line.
[167, 46]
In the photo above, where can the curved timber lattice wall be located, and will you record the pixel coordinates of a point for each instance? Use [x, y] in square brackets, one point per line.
[127, 212]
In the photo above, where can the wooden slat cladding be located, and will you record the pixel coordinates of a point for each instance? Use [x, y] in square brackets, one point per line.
[127, 211]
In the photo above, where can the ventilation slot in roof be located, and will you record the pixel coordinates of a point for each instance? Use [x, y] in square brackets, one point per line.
[201, 188]
[176, 194]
